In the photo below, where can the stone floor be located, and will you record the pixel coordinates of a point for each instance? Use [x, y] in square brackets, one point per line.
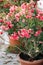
[7, 58]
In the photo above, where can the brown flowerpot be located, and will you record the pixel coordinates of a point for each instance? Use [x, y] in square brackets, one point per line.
[39, 62]
[35, 62]
[13, 42]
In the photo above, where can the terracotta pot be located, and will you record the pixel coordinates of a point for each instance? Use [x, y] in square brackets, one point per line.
[35, 62]
[38, 62]
[13, 42]
[12, 45]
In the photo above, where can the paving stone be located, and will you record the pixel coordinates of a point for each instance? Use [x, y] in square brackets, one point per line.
[9, 58]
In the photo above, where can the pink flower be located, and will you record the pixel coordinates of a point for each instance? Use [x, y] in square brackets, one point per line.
[17, 16]
[1, 20]
[23, 11]
[10, 14]
[28, 16]
[4, 28]
[38, 16]
[23, 33]
[39, 11]
[1, 0]
[37, 33]
[41, 18]
[30, 31]
[9, 24]
[1, 32]
[15, 36]
[32, 10]
[24, 6]
[27, 35]
[15, 0]
[12, 9]
[23, 20]
[40, 42]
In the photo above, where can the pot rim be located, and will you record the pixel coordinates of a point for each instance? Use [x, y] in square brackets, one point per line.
[35, 61]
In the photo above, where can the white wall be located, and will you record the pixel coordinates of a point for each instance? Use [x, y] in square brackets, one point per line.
[5, 37]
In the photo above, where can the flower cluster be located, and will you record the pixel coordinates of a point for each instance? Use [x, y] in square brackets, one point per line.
[24, 33]
[25, 23]
[5, 4]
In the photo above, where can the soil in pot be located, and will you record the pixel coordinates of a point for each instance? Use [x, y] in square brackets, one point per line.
[27, 60]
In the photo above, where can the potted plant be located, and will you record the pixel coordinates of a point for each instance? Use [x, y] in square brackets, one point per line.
[29, 21]
[29, 24]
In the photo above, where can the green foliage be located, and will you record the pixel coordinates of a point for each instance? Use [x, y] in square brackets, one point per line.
[11, 2]
[30, 45]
